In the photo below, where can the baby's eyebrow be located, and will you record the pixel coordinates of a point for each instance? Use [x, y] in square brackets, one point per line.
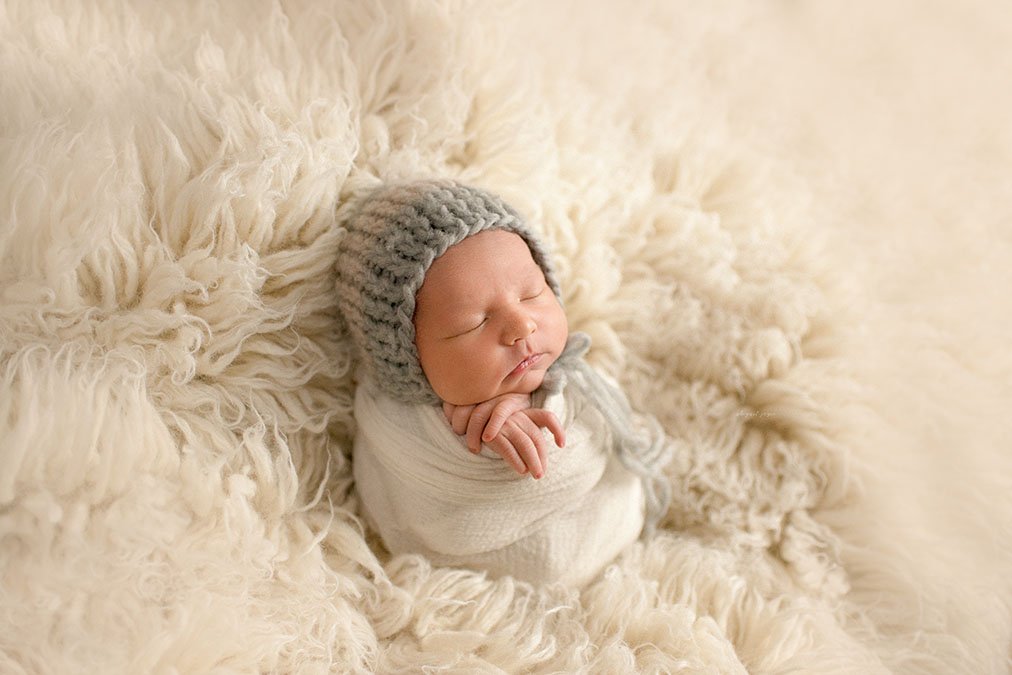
[464, 313]
[534, 273]
[463, 303]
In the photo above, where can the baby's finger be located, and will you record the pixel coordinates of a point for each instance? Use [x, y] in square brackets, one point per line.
[533, 432]
[505, 449]
[523, 443]
[476, 423]
[461, 415]
[548, 420]
[502, 412]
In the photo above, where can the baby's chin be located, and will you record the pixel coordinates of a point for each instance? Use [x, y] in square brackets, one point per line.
[526, 387]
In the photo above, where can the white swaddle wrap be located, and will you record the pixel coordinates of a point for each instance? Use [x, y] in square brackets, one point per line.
[424, 492]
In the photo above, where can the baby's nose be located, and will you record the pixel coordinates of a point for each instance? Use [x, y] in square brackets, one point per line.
[520, 326]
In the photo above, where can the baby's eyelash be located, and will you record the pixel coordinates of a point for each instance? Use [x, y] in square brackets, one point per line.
[469, 330]
[536, 295]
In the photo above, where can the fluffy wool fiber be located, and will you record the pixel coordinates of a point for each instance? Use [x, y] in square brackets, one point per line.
[785, 227]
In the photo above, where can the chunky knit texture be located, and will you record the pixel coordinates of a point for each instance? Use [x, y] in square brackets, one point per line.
[391, 241]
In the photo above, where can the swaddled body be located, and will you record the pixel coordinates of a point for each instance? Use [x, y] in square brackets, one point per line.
[425, 493]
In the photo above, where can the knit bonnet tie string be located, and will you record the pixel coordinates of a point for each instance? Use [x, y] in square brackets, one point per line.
[639, 442]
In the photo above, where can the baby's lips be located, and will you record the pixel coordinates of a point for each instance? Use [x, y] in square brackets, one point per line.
[526, 364]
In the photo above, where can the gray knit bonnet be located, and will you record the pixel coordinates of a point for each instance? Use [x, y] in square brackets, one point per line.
[391, 239]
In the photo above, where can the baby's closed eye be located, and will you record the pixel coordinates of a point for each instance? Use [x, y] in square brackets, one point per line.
[469, 329]
[533, 294]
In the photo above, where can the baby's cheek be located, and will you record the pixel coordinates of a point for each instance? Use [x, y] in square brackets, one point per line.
[561, 334]
[477, 372]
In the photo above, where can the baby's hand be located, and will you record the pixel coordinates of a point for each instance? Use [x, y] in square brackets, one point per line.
[510, 427]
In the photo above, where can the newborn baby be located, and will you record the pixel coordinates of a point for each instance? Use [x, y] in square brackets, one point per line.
[453, 305]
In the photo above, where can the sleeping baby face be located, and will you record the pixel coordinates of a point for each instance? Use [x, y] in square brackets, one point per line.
[486, 322]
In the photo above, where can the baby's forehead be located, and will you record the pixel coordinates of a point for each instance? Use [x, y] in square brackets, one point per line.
[482, 253]
[492, 258]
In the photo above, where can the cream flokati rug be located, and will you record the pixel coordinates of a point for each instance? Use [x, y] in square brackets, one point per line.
[730, 228]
